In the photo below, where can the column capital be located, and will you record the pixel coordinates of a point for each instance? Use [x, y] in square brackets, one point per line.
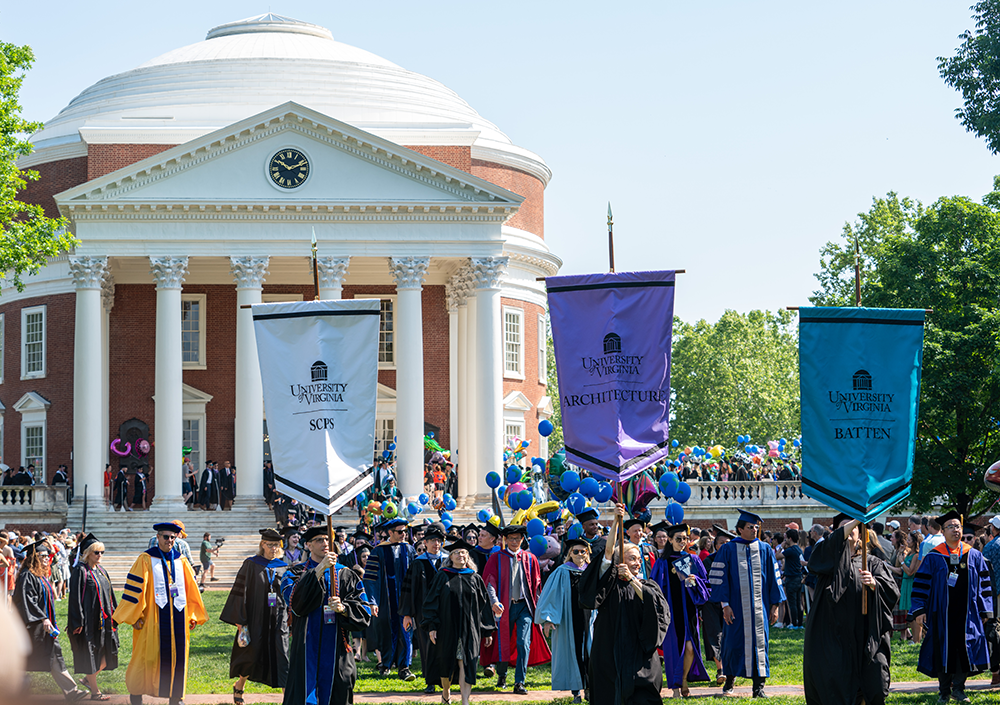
[169, 271]
[332, 271]
[409, 271]
[487, 271]
[249, 272]
[87, 272]
[108, 290]
[459, 288]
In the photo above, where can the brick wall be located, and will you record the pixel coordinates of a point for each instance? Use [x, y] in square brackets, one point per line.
[455, 156]
[56, 386]
[104, 158]
[53, 178]
[531, 216]
[530, 386]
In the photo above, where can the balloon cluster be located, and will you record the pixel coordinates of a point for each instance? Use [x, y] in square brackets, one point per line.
[677, 493]
[744, 449]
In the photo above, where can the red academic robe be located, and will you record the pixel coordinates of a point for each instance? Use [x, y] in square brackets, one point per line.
[497, 573]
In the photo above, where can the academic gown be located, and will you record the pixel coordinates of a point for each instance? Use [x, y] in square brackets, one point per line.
[457, 607]
[91, 603]
[497, 574]
[265, 658]
[480, 556]
[627, 632]
[711, 622]
[411, 604]
[746, 570]
[208, 488]
[847, 653]
[227, 485]
[386, 569]
[685, 602]
[121, 489]
[140, 488]
[955, 640]
[321, 669]
[160, 649]
[35, 600]
[572, 640]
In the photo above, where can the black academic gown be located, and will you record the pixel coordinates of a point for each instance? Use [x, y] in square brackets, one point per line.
[625, 668]
[208, 488]
[91, 604]
[846, 653]
[227, 485]
[140, 488]
[265, 658]
[121, 489]
[321, 660]
[34, 598]
[457, 607]
[411, 604]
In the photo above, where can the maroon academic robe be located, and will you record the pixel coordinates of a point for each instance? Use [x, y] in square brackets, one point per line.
[497, 573]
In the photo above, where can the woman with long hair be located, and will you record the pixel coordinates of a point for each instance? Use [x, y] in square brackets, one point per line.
[35, 598]
[92, 632]
[257, 609]
[907, 561]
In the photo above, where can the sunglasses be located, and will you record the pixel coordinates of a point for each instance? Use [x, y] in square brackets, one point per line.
[98, 553]
[168, 537]
[578, 552]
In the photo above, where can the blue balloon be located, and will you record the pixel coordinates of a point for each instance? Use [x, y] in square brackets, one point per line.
[669, 483]
[484, 515]
[493, 479]
[513, 474]
[386, 454]
[538, 546]
[392, 446]
[674, 443]
[683, 492]
[675, 513]
[514, 501]
[570, 481]
[540, 462]
[502, 491]
[575, 531]
[782, 441]
[796, 443]
[446, 517]
[525, 500]
[431, 434]
[545, 427]
[423, 498]
[604, 491]
[589, 487]
[784, 456]
[446, 497]
[576, 503]
[526, 442]
[450, 504]
[413, 508]
[536, 527]
[360, 499]
[554, 514]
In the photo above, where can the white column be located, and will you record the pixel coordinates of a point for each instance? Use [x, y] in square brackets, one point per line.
[108, 299]
[168, 427]
[409, 275]
[452, 295]
[88, 468]
[332, 272]
[477, 479]
[466, 459]
[249, 274]
[489, 370]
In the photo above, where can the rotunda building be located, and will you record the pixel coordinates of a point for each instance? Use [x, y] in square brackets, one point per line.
[195, 183]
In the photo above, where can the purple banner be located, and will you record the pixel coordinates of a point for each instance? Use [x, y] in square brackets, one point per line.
[612, 335]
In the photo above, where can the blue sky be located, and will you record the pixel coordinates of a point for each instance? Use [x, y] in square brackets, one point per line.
[733, 139]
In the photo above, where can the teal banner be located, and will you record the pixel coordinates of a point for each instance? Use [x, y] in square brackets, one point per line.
[859, 371]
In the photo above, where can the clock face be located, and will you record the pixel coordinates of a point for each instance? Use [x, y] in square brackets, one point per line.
[288, 168]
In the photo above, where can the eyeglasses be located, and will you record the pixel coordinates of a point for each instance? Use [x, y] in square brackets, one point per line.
[98, 553]
[168, 537]
[578, 552]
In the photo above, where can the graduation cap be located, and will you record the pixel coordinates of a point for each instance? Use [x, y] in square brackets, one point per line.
[719, 531]
[570, 543]
[459, 545]
[750, 517]
[363, 535]
[88, 541]
[168, 526]
[36, 547]
[469, 527]
[491, 530]
[396, 523]
[587, 514]
[289, 530]
[677, 528]
[512, 529]
[953, 514]
[633, 522]
[435, 531]
[269, 535]
[840, 519]
[310, 534]
[661, 526]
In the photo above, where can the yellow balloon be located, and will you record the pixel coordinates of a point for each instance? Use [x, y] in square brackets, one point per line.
[519, 516]
[495, 520]
[545, 508]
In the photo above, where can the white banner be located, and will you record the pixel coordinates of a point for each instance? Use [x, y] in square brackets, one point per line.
[319, 367]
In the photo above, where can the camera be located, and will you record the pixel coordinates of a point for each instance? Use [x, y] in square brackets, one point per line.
[220, 541]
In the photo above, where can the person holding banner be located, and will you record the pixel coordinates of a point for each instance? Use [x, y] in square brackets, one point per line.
[682, 578]
[953, 588]
[847, 651]
[386, 569]
[327, 602]
[592, 531]
[746, 582]
[631, 623]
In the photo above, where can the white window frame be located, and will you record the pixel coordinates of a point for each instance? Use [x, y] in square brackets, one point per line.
[391, 365]
[25, 312]
[382, 440]
[519, 372]
[279, 298]
[39, 475]
[200, 418]
[202, 299]
[3, 328]
[543, 350]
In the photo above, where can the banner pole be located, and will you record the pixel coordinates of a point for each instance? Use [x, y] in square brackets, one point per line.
[315, 267]
[864, 525]
[333, 572]
[611, 239]
[857, 272]
[864, 566]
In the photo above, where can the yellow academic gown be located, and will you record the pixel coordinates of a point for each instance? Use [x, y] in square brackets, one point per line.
[160, 649]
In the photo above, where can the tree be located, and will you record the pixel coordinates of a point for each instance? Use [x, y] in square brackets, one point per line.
[737, 376]
[975, 72]
[556, 437]
[30, 239]
[949, 262]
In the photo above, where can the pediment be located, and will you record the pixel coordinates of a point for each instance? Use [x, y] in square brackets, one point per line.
[385, 393]
[32, 401]
[348, 168]
[190, 395]
[516, 401]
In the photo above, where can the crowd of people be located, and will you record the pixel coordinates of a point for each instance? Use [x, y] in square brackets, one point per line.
[663, 605]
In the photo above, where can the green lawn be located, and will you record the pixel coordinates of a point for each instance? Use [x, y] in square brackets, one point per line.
[211, 645]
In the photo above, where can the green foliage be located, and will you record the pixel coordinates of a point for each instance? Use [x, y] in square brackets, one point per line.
[974, 71]
[945, 258]
[740, 375]
[556, 437]
[30, 239]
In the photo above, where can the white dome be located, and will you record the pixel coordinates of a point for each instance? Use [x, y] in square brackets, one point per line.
[246, 67]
